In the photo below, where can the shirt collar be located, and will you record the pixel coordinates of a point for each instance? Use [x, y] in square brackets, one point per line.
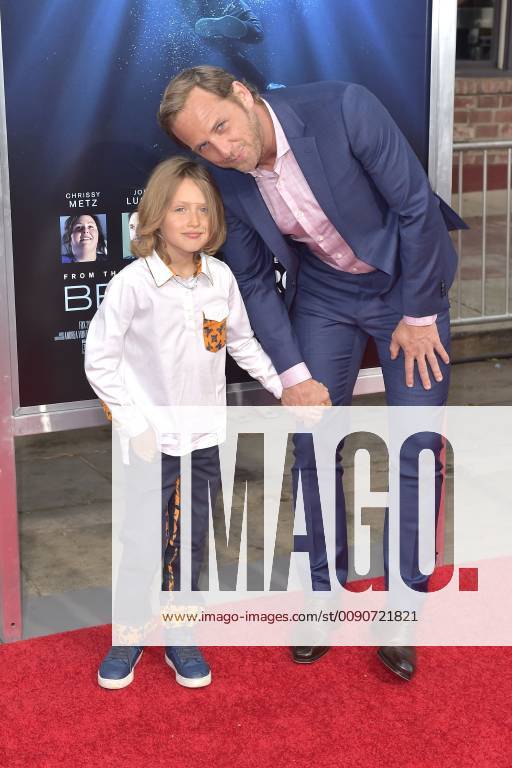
[161, 273]
[282, 146]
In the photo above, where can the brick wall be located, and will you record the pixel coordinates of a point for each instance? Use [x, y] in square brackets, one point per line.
[483, 110]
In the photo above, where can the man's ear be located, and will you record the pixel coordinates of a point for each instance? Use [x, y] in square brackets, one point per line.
[242, 93]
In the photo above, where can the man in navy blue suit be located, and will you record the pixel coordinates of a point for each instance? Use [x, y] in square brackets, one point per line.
[320, 177]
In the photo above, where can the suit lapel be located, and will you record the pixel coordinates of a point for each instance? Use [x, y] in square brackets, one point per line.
[306, 153]
[250, 197]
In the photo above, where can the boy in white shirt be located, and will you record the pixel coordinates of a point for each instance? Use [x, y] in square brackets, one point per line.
[159, 338]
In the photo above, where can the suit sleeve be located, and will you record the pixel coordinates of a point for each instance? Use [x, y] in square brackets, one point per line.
[252, 264]
[383, 151]
[244, 347]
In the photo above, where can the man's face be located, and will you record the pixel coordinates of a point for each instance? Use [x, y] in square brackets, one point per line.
[132, 225]
[84, 239]
[226, 132]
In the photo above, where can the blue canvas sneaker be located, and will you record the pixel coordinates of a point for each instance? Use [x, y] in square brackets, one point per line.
[221, 26]
[116, 669]
[188, 662]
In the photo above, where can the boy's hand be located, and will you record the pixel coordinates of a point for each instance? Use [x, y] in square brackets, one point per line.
[309, 415]
[309, 392]
[144, 445]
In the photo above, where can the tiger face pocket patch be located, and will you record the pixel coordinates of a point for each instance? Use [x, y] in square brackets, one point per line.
[214, 334]
[215, 316]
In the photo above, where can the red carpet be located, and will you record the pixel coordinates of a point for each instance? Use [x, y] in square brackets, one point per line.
[261, 710]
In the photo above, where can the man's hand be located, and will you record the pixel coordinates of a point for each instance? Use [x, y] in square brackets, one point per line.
[309, 392]
[420, 344]
[144, 445]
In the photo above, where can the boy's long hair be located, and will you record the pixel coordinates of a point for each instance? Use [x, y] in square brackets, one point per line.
[159, 192]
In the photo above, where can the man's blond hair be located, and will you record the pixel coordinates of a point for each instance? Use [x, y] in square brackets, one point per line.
[211, 79]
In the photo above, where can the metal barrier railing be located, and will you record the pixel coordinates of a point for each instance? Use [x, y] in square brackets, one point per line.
[490, 290]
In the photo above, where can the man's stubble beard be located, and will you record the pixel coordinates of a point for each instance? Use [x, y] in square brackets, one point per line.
[256, 146]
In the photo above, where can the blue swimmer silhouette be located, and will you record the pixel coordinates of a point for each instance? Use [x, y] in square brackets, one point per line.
[228, 27]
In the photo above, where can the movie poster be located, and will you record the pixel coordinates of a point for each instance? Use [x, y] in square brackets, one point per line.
[83, 81]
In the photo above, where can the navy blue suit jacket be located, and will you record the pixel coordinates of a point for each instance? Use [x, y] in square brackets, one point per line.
[373, 189]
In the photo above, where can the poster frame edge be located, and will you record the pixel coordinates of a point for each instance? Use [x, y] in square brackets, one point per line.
[32, 420]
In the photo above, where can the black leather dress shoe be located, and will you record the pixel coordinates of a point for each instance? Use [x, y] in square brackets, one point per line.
[307, 654]
[400, 659]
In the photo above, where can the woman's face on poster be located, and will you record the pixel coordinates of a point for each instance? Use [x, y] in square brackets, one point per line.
[84, 239]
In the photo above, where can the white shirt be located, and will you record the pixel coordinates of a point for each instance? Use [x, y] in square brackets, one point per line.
[146, 348]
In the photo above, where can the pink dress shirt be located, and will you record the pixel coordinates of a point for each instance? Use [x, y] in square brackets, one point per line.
[297, 213]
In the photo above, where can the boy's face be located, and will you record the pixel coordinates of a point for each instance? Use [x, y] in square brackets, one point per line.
[186, 225]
